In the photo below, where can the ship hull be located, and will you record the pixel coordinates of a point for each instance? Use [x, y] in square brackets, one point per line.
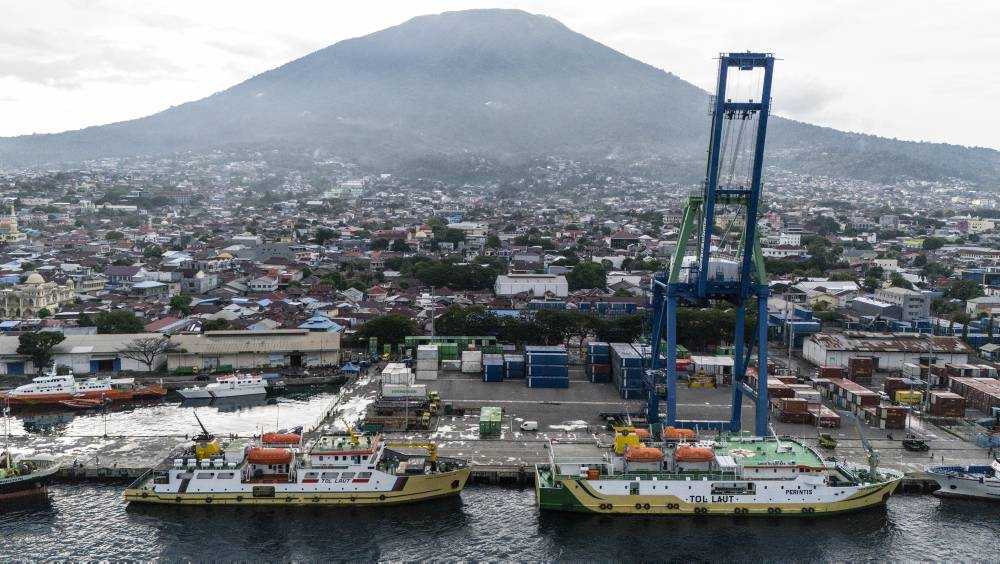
[25, 487]
[106, 395]
[194, 393]
[413, 489]
[577, 495]
[967, 488]
[239, 392]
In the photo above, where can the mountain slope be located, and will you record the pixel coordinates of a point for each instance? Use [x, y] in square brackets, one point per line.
[502, 83]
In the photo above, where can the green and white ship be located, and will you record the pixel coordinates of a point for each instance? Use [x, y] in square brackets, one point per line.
[727, 475]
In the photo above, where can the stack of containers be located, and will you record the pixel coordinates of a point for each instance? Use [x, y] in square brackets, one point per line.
[397, 373]
[546, 367]
[492, 368]
[448, 351]
[626, 370]
[427, 362]
[472, 362]
[599, 362]
[513, 366]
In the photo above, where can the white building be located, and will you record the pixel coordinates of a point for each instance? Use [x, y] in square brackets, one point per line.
[890, 350]
[913, 305]
[508, 285]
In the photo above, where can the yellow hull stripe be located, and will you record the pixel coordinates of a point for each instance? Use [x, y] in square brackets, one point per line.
[417, 488]
[672, 505]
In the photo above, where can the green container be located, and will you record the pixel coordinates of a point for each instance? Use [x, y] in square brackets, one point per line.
[489, 421]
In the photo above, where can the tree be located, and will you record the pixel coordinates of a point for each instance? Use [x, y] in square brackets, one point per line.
[399, 246]
[493, 242]
[118, 321]
[932, 243]
[963, 319]
[38, 346]
[323, 235]
[390, 329]
[963, 290]
[44, 312]
[181, 303]
[896, 279]
[152, 251]
[587, 275]
[147, 350]
[114, 236]
[473, 320]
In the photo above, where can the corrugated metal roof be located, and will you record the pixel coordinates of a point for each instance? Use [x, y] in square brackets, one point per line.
[230, 342]
[82, 344]
[857, 341]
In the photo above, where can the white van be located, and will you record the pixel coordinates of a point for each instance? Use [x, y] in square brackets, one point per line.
[529, 426]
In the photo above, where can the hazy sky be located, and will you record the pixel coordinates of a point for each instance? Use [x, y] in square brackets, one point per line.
[923, 70]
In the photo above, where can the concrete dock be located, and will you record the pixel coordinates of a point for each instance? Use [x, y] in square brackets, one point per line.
[571, 415]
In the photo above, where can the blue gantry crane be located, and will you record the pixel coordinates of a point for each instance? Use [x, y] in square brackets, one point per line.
[723, 269]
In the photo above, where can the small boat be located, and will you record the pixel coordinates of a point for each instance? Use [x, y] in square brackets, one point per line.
[22, 478]
[226, 387]
[82, 403]
[974, 482]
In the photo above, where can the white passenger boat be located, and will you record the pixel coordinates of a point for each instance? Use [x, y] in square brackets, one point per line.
[227, 387]
[976, 481]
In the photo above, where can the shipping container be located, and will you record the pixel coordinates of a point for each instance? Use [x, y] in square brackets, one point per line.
[513, 366]
[490, 419]
[543, 382]
[546, 371]
[947, 404]
[404, 391]
[425, 374]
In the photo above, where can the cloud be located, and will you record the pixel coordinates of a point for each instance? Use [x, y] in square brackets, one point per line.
[804, 96]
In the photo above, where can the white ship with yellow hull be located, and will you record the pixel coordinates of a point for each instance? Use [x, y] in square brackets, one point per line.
[336, 470]
[735, 475]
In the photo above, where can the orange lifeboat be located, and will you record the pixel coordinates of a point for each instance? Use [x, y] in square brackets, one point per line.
[643, 434]
[675, 433]
[262, 455]
[281, 438]
[643, 454]
[686, 453]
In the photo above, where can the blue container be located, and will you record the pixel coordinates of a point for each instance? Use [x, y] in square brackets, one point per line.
[622, 354]
[548, 382]
[544, 371]
[513, 365]
[598, 347]
[632, 394]
[546, 359]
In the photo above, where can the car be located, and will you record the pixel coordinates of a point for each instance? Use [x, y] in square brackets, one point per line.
[529, 426]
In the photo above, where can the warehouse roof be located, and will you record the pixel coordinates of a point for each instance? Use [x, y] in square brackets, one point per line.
[857, 341]
[80, 344]
[279, 340]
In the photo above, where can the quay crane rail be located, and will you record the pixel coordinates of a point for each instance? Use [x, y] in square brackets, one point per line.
[732, 181]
